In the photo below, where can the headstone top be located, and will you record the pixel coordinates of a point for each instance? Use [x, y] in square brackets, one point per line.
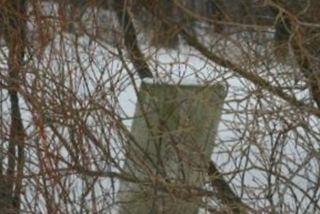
[176, 81]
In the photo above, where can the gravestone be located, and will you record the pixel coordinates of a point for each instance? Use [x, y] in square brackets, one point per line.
[167, 156]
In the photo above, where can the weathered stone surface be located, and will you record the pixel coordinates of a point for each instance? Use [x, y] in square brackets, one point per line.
[174, 132]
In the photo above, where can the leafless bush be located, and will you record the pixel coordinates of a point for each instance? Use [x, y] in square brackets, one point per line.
[71, 73]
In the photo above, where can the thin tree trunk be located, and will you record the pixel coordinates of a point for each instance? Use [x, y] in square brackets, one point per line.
[130, 39]
[15, 25]
[224, 193]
